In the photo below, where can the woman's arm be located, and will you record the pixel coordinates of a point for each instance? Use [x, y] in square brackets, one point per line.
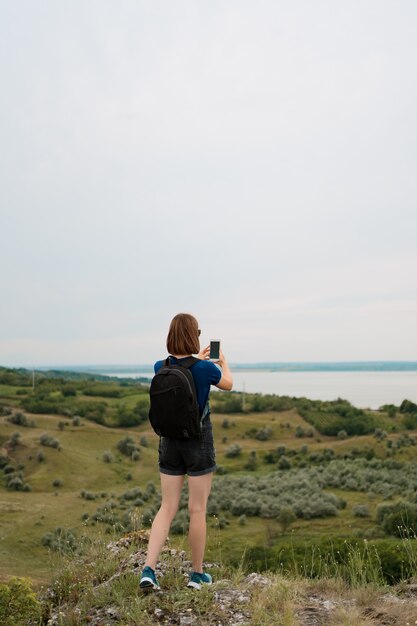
[226, 381]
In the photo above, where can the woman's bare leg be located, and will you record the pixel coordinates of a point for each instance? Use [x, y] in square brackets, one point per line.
[171, 487]
[199, 490]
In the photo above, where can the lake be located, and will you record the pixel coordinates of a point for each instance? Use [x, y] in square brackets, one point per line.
[362, 389]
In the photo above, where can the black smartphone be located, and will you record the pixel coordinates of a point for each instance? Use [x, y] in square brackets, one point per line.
[215, 349]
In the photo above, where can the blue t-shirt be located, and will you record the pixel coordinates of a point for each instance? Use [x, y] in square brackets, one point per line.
[205, 373]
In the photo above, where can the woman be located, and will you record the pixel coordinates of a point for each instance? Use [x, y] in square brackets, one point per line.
[193, 457]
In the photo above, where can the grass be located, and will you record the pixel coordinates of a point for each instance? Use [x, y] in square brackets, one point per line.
[25, 517]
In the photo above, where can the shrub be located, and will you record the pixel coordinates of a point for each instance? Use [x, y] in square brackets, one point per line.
[40, 457]
[342, 434]
[132, 494]
[251, 463]
[76, 420]
[181, 523]
[61, 425]
[20, 419]
[107, 457]
[284, 463]
[51, 442]
[286, 517]
[264, 434]
[361, 510]
[93, 411]
[61, 539]
[225, 423]
[15, 483]
[127, 446]
[398, 519]
[57, 482]
[233, 451]
[4, 459]
[407, 406]
[14, 439]
[18, 603]
[143, 441]
[88, 495]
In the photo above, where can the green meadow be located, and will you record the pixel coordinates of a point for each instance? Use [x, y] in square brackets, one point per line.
[296, 478]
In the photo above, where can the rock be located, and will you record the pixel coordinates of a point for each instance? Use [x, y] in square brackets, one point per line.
[257, 579]
[328, 605]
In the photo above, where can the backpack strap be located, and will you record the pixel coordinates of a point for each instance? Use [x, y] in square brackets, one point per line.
[187, 363]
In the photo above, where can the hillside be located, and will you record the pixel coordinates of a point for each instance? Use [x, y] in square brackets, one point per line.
[306, 490]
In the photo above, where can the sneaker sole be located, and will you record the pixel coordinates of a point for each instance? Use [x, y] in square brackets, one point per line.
[146, 585]
[193, 585]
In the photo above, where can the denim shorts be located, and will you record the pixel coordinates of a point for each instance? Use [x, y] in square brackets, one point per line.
[194, 457]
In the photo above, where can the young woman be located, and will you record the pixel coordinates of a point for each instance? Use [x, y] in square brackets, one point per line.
[193, 457]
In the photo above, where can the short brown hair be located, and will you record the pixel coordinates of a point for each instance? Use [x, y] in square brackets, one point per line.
[183, 335]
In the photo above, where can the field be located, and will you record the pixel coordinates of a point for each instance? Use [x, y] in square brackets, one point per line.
[86, 485]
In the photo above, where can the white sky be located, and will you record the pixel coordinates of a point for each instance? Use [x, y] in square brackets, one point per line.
[253, 163]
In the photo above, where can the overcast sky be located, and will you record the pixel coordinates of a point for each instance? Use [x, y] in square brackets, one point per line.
[253, 163]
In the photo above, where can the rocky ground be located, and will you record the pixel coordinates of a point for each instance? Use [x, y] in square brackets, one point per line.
[252, 599]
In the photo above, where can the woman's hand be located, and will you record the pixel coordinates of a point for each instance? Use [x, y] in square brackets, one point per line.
[204, 354]
[222, 360]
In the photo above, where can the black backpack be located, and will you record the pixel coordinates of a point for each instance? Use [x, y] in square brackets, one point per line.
[174, 411]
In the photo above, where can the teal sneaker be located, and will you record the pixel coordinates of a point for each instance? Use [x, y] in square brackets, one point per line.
[196, 580]
[148, 580]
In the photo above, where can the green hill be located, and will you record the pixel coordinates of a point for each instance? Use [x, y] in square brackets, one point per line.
[285, 487]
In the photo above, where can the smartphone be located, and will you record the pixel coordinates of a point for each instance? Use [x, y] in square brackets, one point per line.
[215, 349]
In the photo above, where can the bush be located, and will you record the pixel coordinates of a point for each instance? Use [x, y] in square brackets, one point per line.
[93, 411]
[51, 442]
[127, 446]
[379, 560]
[286, 517]
[398, 519]
[20, 419]
[4, 459]
[144, 441]
[251, 463]
[264, 434]
[57, 482]
[61, 540]
[40, 457]
[233, 451]
[181, 523]
[361, 510]
[18, 603]
[14, 439]
[15, 483]
[107, 457]
[88, 495]
[76, 420]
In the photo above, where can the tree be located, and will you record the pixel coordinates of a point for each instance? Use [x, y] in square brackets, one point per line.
[285, 518]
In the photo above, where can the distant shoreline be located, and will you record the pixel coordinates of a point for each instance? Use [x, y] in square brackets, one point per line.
[324, 366]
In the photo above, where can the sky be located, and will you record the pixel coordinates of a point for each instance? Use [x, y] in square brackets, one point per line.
[252, 163]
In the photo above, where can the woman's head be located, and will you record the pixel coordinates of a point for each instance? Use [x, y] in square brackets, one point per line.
[183, 335]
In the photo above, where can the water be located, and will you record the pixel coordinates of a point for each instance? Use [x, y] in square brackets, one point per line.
[362, 389]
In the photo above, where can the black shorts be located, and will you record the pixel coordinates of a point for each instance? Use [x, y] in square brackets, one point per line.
[195, 457]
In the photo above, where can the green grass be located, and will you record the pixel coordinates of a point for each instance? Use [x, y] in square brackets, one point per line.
[26, 517]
